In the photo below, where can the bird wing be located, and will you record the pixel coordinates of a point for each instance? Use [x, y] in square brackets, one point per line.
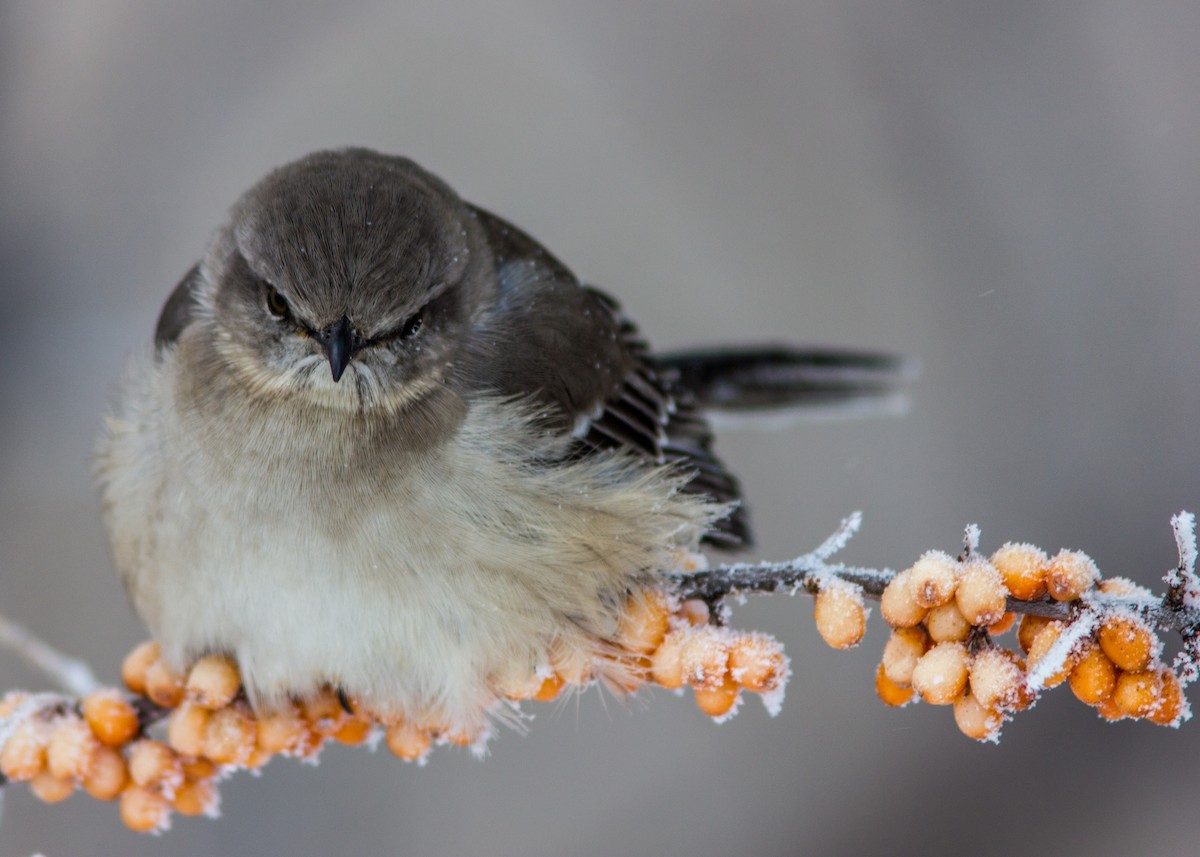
[178, 310]
[569, 347]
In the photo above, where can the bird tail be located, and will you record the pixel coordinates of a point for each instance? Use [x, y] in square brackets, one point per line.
[774, 378]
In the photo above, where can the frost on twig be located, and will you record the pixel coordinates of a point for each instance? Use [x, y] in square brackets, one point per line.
[802, 573]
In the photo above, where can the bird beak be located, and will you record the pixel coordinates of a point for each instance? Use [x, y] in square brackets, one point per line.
[338, 342]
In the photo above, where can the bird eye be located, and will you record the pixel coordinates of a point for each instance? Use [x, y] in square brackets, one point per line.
[276, 304]
[411, 326]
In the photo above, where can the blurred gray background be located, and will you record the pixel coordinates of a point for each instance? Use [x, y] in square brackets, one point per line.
[1009, 192]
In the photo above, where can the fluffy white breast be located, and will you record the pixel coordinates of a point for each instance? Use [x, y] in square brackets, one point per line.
[315, 552]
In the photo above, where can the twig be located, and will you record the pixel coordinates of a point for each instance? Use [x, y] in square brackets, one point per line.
[1177, 611]
[71, 675]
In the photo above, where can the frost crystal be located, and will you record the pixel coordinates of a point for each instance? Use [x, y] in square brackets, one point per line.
[840, 537]
[1183, 578]
[971, 539]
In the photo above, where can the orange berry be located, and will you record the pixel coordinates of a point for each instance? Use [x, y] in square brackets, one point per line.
[111, 717]
[1169, 708]
[257, 758]
[644, 622]
[933, 579]
[1025, 697]
[71, 750]
[976, 720]
[185, 729]
[996, 679]
[1093, 678]
[549, 689]
[1028, 629]
[282, 731]
[1109, 711]
[196, 798]
[1070, 574]
[1002, 627]
[1046, 638]
[136, 664]
[229, 735]
[1123, 587]
[890, 692]
[1023, 570]
[705, 657]
[1127, 642]
[154, 764]
[981, 596]
[23, 755]
[407, 741]
[324, 711]
[51, 789]
[213, 682]
[940, 676]
[666, 664]
[901, 653]
[198, 769]
[1138, 694]
[757, 662]
[144, 809]
[838, 612]
[108, 774]
[899, 605]
[720, 700]
[163, 685]
[946, 624]
[353, 732]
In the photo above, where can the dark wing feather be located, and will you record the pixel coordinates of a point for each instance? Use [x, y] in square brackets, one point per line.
[578, 355]
[178, 310]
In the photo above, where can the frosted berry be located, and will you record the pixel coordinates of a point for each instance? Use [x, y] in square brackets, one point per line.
[940, 676]
[1023, 570]
[839, 615]
[981, 596]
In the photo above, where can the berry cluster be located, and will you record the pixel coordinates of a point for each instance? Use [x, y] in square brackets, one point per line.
[718, 663]
[945, 615]
[670, 643]
[104, 746]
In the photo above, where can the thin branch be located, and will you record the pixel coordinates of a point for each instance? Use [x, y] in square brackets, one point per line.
[1169, 613]
[71, 675]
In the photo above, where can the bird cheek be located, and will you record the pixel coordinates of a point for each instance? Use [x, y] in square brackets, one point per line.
[380, 358]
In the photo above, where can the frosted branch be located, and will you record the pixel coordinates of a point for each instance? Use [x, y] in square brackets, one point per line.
[805, 572]
[946, 616]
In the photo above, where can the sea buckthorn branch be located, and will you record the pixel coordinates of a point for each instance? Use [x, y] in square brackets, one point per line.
[1098, 634]
[1172, 612]
[804, 572]
[162, 747]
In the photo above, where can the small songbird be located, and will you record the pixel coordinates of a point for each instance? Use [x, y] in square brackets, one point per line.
[386, 442]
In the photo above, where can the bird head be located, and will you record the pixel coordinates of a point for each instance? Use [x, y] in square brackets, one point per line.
[347, 278]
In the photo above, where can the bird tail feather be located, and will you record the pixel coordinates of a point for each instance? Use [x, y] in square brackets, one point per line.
[781, 377]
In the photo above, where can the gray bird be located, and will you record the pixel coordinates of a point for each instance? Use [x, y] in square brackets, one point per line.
[387, 442]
